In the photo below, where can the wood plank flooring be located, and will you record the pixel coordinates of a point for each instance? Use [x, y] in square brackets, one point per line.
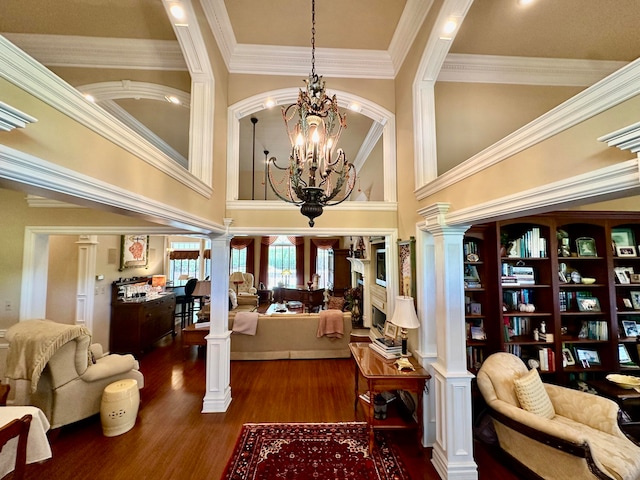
[173, 440]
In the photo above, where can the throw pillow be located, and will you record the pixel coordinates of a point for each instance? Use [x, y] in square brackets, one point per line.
[532, 395]
[336, 303]
[233, 300]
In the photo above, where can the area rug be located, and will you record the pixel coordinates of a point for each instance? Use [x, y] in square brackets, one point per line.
[301, 451]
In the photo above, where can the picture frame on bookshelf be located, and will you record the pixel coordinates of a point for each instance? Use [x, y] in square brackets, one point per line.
[627, 303]
[588, 358]
[475, 308]
[477, 333]
[589, 304]
[567, 357]
[630, 328]
[586, 247]
[471, 273]
[622, 237]
[626, 251]
[635, 277]
[390, 330]
[622, 275]
[635, 299]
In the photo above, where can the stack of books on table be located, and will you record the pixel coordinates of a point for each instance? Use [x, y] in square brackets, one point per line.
[388, 348]
[388, 396]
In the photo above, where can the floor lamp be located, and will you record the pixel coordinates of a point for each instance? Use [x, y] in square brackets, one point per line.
[404, 316]
[237, 278]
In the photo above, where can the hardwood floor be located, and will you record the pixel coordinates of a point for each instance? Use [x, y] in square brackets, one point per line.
[173, 440]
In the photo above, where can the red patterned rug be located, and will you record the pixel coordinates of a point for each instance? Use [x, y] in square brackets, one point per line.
[300, 451]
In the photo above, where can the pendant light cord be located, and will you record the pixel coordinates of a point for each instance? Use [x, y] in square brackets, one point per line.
[313, 38]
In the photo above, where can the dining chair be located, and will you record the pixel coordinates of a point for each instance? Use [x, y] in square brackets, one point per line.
[17, 428]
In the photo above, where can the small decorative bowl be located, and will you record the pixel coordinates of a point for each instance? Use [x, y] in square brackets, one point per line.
[624, 381]
[588, 281]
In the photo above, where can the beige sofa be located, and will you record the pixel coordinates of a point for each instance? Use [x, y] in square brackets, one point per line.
[286, 335]
[557, 433]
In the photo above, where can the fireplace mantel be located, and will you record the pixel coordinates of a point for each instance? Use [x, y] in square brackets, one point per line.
[359, 265]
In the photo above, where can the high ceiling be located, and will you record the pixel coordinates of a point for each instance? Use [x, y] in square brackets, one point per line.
[89, 42]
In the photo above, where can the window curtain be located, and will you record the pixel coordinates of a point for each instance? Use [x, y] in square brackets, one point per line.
[184, 255]
[264, 258]
[239, 243]
[322, 244]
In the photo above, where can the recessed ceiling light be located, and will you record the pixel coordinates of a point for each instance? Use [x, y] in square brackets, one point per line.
[269, 103]
[173, 99]
[354, 107]
[525, 2]
[449, 27]
[177, 11]
[90, 98]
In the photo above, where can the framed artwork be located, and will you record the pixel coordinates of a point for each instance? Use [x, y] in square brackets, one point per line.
[390, 330]
[407, 267]
[626, 251]
[630, 328]
[586, 247]
[567, 356]
[588, 304]
[635, 300]
[622, 237]
[588, 357]
[134, 251]
[622, 274]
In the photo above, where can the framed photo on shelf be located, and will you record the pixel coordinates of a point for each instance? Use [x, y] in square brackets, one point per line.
[627, 303]
[567, 357]
[635, 300]
[134, 251]
[630, 328]
[626, 251]
[588, 358]
[622, 237]
[390, 330]
[589, 304]
[586, 247]
[475, 308]
[622, 274]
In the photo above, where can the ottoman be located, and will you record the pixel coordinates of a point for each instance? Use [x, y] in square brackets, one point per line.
[119, 407]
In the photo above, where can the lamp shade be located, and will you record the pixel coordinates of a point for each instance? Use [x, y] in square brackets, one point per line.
[237, 277]
[404, 314]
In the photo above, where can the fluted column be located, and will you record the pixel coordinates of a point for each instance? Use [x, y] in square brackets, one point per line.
[451, 382]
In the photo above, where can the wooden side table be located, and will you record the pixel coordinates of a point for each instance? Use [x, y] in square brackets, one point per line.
[382, 375]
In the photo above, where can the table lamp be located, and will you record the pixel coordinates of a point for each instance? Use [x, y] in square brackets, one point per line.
[237, 278]
[404, 316]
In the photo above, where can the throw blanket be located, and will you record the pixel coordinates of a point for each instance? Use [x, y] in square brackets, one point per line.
[32, 343]
[330, 324]
[245, 322]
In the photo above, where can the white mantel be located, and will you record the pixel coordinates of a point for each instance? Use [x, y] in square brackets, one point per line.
[361, 266]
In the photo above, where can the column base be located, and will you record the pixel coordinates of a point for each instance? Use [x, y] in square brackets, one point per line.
[218, 394]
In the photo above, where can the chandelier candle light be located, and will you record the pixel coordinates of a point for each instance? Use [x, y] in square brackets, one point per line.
[314, 125]
[404, 316]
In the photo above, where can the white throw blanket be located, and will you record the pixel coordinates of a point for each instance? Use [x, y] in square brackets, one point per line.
[32, 343]
[245, 322]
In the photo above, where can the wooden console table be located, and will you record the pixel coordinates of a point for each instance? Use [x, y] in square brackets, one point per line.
[382, 375]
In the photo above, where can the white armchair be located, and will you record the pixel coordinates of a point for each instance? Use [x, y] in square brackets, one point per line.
[247, 293]
[68, 375]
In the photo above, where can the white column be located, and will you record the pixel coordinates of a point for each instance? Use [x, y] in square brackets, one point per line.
[86, 282]
[218, 386]
[451, 382]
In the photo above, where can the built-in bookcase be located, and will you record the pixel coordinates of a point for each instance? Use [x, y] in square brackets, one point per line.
[562, 291]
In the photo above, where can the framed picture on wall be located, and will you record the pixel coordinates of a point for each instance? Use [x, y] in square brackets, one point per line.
[407, 267]
[134, 251]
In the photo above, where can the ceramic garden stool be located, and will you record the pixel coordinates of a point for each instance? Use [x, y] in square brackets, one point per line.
[119, 407]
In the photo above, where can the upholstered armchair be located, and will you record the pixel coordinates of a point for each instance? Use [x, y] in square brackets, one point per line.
[67, 373]
[247, 294]
[555, 432]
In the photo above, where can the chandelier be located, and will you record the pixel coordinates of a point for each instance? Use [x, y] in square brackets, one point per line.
[314, 125]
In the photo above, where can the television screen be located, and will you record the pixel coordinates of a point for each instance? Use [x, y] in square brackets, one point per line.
[381, 268]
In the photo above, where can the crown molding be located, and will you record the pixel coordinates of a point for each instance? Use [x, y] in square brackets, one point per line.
[612, 90]
[100, 52]
[28, 169]
[132, 89]
[29, 75]
[36, 201]
[413, 15]
[369, 143]
[627, 138]
[525, 70]
[12, 118]
[605, 183]
[278, 205]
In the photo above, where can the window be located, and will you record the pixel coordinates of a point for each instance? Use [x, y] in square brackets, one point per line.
[282, 263]
[184, 262]
[324, 267]
[238, 260]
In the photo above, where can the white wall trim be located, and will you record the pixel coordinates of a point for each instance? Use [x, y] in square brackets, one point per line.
[468, 68]
[614, 89]
[627, 138]
[132, 89]
[605, 183]
[29, 75]
[279, 205]
[27, 169]
[11, 118]
[258, 102]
